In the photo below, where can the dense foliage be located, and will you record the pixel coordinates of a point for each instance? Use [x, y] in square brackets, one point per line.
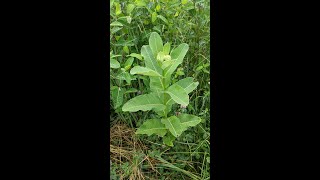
[160, 53]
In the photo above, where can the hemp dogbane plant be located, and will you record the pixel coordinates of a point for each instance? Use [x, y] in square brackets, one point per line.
[160, 67]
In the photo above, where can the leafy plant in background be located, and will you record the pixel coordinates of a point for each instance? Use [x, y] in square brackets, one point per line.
[159, 66]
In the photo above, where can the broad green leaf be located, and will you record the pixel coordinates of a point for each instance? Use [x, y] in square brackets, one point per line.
[154, 17]
[177, 56]
[174, 125]
[152, 126]
[188, 120]
[144, 103]
[156, 84]
[114, 63]
[144, 71]
[149, 59]
[116, 23]
[138, 56]
[178, 94]
[163, 19]
[168, 139]
[117, 97]
[155, 43]
[130, 8]
[165, 97]
[187, 84]
[166, 48]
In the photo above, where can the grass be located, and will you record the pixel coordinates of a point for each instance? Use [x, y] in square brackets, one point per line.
[143, 157]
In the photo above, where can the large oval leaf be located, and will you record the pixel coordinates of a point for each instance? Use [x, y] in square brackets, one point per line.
[152, 126]
[144, 103]
[144, 71]
[178, 94]
[174, 125]
[187, 84]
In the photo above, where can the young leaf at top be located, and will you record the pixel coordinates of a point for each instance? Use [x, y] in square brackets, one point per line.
[174, 125]
[155, 43]
[144, 71]
[152, 126]
[144, 103]
[166, 48]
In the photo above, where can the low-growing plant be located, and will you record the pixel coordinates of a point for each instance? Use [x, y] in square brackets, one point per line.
[159, 67]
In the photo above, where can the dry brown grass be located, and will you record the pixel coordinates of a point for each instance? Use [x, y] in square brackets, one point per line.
[125, 147]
